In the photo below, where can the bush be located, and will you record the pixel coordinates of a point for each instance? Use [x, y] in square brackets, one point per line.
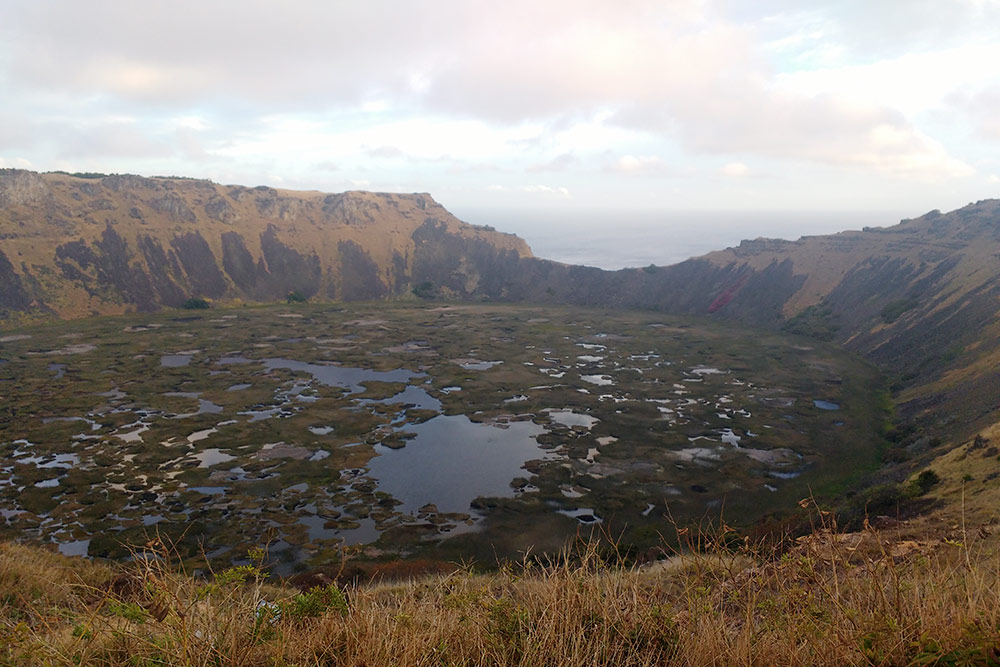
[425, 290]
[296, 297]
[882, 499]
[925, 481]
[315, 603]
[195, 303]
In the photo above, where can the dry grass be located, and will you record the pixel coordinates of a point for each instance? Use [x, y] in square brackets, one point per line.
[833, 599]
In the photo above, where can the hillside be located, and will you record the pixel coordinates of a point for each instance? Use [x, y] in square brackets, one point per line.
[73, 246]
[919, 299]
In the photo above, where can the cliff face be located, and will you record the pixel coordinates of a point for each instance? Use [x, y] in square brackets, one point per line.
[72, 247]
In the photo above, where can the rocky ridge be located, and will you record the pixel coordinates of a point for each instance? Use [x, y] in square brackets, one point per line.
[73, 246]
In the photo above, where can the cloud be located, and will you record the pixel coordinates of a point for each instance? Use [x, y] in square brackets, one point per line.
[109, 139]
[326, 165]
[508, 83]
[559, 163]
[385, 152]
[980, 108]
[635, 163]
[735, 170]
[547, 190]
[189, 143]
[868, 31]
[506, 62]
[15, 163]
[826, 129]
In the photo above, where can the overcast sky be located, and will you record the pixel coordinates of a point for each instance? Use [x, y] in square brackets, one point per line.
[528, 104]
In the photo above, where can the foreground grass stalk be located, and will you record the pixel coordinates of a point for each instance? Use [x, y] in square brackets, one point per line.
[831, 599]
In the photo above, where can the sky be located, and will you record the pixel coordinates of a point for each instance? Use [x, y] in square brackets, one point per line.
[555, 105]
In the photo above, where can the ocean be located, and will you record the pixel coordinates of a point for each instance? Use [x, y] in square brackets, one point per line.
[615, 240]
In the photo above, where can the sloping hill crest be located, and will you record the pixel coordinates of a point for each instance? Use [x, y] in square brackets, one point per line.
[73, 246]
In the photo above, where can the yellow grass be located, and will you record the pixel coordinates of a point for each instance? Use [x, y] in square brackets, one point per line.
[832, 599]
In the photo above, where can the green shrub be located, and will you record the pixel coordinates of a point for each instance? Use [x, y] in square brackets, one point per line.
[925, 481]
[130, 611]
[425, 290]
[316, 602]
[296, 297]
[195, 303]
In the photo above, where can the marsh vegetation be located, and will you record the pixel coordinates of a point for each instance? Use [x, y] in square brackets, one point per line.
[404, 430]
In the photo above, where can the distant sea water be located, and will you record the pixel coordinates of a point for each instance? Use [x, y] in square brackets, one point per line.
[616, 240]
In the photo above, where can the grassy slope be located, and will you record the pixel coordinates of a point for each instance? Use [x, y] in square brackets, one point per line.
[862, 598]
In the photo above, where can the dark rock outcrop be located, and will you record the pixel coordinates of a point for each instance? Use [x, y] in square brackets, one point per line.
[199, 264]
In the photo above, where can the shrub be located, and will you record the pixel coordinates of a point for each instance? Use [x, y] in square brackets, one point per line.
[314, 603]
[195, 303]
[925, 481]
[296, 297]
[425, 290]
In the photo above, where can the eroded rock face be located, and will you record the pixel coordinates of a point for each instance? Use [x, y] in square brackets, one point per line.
[13, 295]
[287, 269]
[20, 188]
[199, 263]
[173, 205]
[130, 182]
[124, 242]
[359, 275]
[219, 208]
[349, 209]
[239, 263]
[164, 272]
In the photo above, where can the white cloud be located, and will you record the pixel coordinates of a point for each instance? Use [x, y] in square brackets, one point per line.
[15, 163]
[910, 83]
[191, 122]
[561, 162]
[547, 190]
[635, 163]
[385, 152]
[463, 90]
[375, 106]
[980, 107]
[735, 170]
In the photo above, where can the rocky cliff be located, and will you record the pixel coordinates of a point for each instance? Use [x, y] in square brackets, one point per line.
[75, 246]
